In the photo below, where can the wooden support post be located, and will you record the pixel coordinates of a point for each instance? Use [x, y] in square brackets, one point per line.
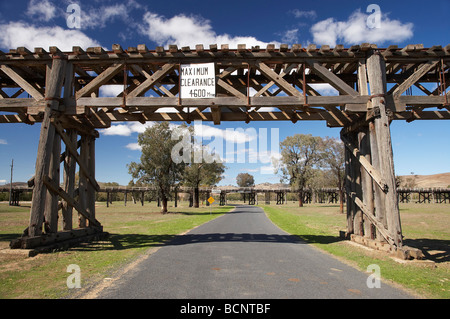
[379, 205]
[366, 183]
[54, 82]
[353, 186]
[83, 184]
[356, 167]
[91, 169]
[176, 199]
[376, 70]
[51, 200]
[364, 148]
[267, 198]
[251, 198]
[69, 180]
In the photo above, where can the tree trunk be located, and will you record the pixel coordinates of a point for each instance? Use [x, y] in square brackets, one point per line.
[300, 199]
[164, 204]
[341, 200]
[196, 197]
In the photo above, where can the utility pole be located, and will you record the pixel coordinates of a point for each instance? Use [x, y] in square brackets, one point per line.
[10, 184]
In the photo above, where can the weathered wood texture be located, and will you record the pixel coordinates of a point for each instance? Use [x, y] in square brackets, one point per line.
[46, 147]
[252, 85]
[377, 80]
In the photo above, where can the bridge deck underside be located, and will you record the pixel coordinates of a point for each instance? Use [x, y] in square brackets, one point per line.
[252, 84]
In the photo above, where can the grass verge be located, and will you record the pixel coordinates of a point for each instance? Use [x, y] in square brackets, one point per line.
[424, 226]
[133, 230]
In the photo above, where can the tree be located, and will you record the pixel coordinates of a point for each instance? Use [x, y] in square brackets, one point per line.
[157, 167]
[334, 159]
[300, 155]
[245, 180]
[207, 174]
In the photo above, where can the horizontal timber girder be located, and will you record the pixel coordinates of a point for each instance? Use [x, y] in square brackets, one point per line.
[252, 84]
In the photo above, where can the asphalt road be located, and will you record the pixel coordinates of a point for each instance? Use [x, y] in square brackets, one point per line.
[243, 255]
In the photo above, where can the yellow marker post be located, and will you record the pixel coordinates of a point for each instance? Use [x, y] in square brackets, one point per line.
[210, 200]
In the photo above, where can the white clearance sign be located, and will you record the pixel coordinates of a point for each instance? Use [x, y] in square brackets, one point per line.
[198, 80]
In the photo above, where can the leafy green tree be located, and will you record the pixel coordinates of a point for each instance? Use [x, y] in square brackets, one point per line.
[300, 155]
[202, 174]
[156, 166]
[245, 180]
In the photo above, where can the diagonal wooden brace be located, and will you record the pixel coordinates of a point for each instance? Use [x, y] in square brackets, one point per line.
[374, 173]
[70, 201]
[75, 154]
[380, 227]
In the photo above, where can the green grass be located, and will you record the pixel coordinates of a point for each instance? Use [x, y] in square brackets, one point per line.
[424, 226]
[133, 230]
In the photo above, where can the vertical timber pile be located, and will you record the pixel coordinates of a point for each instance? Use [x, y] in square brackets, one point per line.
[42, 232]
[370, 175]
[46, 151]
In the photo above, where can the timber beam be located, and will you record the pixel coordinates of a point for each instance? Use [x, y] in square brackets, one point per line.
[273, 84]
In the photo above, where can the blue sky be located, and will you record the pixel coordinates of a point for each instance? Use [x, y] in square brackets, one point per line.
[420, 147]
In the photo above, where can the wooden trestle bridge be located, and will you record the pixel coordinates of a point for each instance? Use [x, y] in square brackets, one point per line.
[61, 91]
[323, 195]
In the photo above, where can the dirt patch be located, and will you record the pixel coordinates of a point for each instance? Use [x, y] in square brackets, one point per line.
[17, 262]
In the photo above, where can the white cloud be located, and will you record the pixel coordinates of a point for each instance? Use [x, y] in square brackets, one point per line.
[324, 89]
[41, 10]
[3, 181]
[17, 34]
[186, 30]
[134, 147]
[249, 170]
[3, 142]
[111, 90]
[267, 169]
[99, 17]
[126, 129]
[290, 36]
[168, 110]
[356, 31]
[118, 129]
[304, 14]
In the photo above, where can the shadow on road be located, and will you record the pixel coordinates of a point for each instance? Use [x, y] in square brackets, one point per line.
[130, 241]
[234, 237]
